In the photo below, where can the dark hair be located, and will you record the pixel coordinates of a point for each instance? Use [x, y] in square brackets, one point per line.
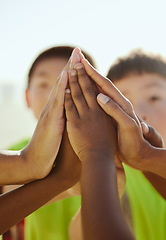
[137, 62]
[59, 52]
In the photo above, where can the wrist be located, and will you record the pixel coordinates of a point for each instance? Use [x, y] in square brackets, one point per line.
[155, 162]
[95, 155]
[32, 171]
[96, 162]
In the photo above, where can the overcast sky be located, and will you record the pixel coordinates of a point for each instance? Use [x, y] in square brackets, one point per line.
[106, 29]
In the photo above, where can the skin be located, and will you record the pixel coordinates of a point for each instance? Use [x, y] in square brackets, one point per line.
[141, 153]
[147, 93]
[95, 148]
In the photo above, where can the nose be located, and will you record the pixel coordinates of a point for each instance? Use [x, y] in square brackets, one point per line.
[142, 110]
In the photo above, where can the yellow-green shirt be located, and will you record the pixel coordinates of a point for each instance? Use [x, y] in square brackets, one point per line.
[147, 206]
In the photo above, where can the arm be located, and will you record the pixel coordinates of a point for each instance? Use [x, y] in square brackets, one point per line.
[93, 137]
[35, 161]
[19, 203]
[100, 202]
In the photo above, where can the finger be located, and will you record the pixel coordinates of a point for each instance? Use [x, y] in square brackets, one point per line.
[54, 89]
[86, 86]
[75, 58]
[109, 88]
[76, 92]
[70, 108]
[57, 103]
[125, 122]
[152, 136]
[72, 60]
[81, 55]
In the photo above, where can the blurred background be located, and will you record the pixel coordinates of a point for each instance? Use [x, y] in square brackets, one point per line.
[105, 29]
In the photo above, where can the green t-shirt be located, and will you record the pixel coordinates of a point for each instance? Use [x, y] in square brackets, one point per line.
[147, 206]
[52, 221]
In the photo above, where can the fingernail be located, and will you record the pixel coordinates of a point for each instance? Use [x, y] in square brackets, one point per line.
[73, 73]
[145, 127]
[79, 66]
[102, 98]
[68, 90]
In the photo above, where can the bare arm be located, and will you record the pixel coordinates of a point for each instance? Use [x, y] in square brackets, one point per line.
[93, 138]
[102, 217]
[19, 203]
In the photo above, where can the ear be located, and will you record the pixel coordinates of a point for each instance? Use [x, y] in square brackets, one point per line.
[27, 98]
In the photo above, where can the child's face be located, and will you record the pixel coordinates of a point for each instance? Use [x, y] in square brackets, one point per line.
[42, 81]
[147, 92]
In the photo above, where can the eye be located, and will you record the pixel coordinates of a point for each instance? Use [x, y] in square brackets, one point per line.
[154, 98]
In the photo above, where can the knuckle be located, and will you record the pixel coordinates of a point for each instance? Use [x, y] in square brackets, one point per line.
[70, 107]
[113, 105]
[131, 125]
[78, 96]
[89, 90]
[129, 105]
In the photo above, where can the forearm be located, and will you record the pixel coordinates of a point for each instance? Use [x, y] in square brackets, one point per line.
[59, 197]
[155, 163]
[14, 168]
[102, 216]
[19, 203]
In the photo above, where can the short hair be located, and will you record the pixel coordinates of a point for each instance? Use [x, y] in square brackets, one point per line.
[138, 63]
[55, 52]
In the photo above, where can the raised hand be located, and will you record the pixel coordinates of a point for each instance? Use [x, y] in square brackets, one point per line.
[88, 127]
[37, 158]
[134, 149]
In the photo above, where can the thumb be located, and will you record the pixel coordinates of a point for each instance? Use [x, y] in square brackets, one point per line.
[152, 136]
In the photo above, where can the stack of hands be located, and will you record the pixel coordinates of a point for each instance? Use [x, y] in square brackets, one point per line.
[87, 130]
[97, 118]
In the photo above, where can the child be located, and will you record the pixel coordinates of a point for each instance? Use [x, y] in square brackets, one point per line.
[142, 80]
